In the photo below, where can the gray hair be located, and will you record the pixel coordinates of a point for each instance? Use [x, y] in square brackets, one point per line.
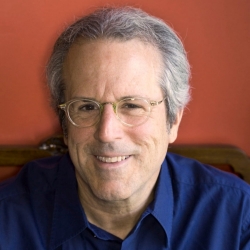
[126, 23]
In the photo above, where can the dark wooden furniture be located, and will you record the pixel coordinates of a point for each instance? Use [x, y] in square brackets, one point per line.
[225, 157]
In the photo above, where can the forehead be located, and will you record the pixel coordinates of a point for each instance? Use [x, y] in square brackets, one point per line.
[111, 67]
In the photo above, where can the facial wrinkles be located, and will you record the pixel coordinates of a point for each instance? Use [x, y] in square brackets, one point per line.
[103, 76]
[111, 149]
[102, 79]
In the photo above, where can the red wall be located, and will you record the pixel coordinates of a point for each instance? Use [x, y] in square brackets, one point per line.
[216, 35]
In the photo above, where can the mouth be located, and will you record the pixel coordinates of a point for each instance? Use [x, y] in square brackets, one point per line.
[112, 159]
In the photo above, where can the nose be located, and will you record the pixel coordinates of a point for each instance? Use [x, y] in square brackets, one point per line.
[109, 128]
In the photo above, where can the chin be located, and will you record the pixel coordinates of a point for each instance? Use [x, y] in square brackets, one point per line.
[114, 193]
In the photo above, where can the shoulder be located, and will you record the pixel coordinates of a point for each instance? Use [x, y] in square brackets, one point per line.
[34, 176]
[27, 203]
[191, 172]
[204, 195]
[204, 188]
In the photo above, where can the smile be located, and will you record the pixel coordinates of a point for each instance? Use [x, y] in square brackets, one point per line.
[112, 159]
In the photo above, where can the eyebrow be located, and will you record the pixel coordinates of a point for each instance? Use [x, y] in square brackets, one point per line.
[121, 98]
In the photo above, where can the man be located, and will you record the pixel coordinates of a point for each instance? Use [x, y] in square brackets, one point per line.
[119, 82]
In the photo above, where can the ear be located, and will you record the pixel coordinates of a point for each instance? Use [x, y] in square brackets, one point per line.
[65, 139]
[175, 126]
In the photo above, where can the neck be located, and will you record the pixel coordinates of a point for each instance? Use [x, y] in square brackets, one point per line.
[115, 217]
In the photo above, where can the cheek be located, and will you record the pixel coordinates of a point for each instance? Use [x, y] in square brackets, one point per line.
[153, 139]
[78, 135]
[77, 141]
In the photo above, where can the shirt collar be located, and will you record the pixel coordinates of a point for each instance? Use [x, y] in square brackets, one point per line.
[163, 204]
[69, 218]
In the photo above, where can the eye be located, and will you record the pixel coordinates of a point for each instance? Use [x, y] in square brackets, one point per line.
[132, 107]
[88, 107]
[83, 106]
[128, 105]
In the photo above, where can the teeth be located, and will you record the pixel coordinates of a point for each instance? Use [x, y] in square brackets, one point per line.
[111, 159]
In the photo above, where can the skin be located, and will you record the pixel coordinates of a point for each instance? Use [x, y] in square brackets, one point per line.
[115, 194]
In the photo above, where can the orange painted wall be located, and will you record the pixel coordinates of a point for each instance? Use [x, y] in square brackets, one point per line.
[216, 35]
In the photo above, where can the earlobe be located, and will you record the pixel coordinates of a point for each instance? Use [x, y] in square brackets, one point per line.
[65, 139]
[174, 129]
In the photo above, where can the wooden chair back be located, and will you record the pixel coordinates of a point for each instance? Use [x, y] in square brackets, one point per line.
[227, 158]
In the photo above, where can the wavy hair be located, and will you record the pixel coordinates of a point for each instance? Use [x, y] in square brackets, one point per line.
[126, 23]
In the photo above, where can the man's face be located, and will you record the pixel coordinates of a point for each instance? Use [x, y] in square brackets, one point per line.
[108, 71]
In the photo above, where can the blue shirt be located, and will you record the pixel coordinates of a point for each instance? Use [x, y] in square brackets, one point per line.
[196, 207]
